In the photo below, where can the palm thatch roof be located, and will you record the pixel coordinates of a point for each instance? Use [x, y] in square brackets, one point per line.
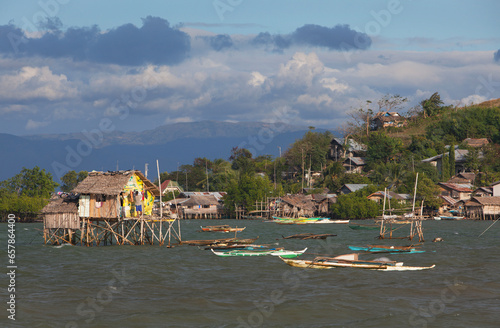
[61, 205]
[201, 201]
[300, 201]
[111, 183]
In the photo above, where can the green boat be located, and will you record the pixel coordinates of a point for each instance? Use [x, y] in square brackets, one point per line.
[274, 252]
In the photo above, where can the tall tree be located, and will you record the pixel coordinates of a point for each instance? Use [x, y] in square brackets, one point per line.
[33, 182]
[71, 179]
[445, 168]
[433, 105]
[451, 158]
[382, 148]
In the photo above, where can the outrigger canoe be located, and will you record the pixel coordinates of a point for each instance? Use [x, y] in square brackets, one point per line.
[224, 241]
[387, 249]
[352, 261]
[221, 228]
[274, 252]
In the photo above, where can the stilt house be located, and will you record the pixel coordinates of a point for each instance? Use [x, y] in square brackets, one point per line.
[111, 194]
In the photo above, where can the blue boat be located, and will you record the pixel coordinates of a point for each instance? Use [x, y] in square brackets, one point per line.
[386, 249]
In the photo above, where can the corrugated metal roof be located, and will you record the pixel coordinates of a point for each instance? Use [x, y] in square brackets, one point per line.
[456, 187]
[449, 200]
[360, 161]
[355, 186]
[352, 145]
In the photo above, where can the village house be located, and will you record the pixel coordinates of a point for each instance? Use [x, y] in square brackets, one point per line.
[323, 203]
[62, 212]
[495, 186]
[354, 164]
[341, 148]
[483, 192]
[298, 205]
[379, 196]
[448, 204]
[105, 207]
[460, 159]
[113, 194]
[483, 208]
[169, 186]
[351, 187]
[456, 191]
[463, 178]
[197, 205]
[384, 120]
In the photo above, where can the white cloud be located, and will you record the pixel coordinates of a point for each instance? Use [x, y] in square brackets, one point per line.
[36, 82]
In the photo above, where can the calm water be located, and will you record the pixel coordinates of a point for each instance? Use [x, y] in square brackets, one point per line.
[152, 286]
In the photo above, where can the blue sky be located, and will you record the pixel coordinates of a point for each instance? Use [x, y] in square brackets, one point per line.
[236, 60]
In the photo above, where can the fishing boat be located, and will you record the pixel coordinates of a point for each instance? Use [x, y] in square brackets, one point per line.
[274, 252]
[352, 261]
[225, 241]
[225, 247]
[221, 228]
[358, 226]
[444, 217]
[387, 249]
[309, 235]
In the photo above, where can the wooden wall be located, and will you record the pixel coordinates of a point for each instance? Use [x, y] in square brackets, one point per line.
[62, 220]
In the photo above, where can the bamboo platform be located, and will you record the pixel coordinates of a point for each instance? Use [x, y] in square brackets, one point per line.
[147, 230]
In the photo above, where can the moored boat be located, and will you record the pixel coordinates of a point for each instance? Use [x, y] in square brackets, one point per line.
[387, 249]
[221, 228]
[352, 261]
[274, 252]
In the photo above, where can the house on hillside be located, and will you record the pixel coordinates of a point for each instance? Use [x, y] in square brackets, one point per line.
[351, 187]
[114, 194]
[341, 148]
[483, 192]
[463, 178]
[460, 159]
[354, 164]
[388, 119]
[456, 191]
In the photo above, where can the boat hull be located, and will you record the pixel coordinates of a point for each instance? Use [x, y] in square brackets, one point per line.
[281, 253]
[370, 265]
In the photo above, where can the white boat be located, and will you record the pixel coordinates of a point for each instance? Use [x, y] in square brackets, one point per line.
[261, 252]
[352, 261]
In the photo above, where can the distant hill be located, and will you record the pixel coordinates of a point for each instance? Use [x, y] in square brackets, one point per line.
[172, 132]
[420, 129]
[172, 145]
[490, 103]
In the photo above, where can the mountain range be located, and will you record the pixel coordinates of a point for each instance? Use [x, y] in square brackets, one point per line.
[172, 145]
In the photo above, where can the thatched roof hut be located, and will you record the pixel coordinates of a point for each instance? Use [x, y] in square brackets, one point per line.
[110, 194]
[61, 212]
[112, 183]
[298, 205]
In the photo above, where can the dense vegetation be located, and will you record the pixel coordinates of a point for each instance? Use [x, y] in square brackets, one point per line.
[393, 159]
